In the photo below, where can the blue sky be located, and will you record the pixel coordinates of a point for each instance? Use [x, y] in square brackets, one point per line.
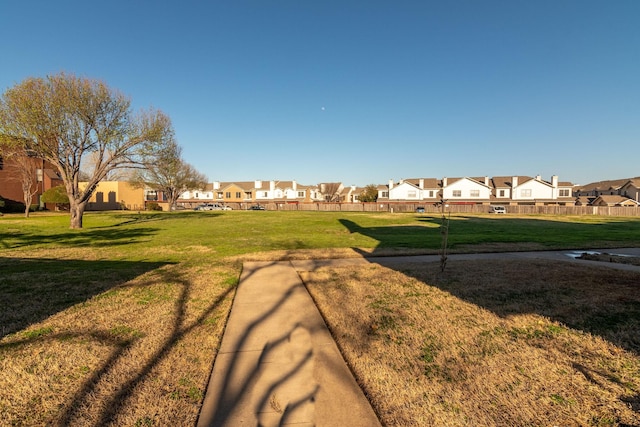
[359, 91]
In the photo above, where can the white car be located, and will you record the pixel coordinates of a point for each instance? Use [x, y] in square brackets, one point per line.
[212, 207]
[498, 210]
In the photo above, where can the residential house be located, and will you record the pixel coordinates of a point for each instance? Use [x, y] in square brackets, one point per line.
[467, 190]
[536, 191]
[415, 189]
[631, 189]
[608, 187]
[238, 193]
[193, 198]
[614, 200]
[383, 191]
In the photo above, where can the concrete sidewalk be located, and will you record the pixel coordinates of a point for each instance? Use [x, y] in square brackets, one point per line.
[278, 364]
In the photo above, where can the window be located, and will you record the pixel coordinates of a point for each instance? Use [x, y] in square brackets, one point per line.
[238, 194]
[431, 194]
[411, 194]
[457, 193]
[1, 163]
[501, 193]
[385, 194]
[474, 193]
[219, 195]
[265, 194]
[227, 195]
[564, 193]
[300, 193]
[525, 192]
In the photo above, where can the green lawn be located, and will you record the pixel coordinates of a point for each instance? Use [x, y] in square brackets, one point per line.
[132, 236]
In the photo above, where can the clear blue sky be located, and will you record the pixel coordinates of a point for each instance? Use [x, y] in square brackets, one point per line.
[359, 91]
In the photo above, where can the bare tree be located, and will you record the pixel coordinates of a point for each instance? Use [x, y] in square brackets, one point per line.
[24, 170]
[165, 170]
[64, 118]
[331, 191]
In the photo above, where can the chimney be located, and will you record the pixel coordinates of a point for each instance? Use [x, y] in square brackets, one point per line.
[514, 182]
[421, 184]
[390, 184]
[258, 184]
[216, 185]
[486, 181]
[295, 186]
[538, 178]
[444, 182]
[554, 181]
[272, 185]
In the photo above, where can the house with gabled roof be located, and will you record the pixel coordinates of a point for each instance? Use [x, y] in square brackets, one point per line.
[202, 195]
[527, 190]
[414, 189]
[614, 200]
[234, 192]
[631, 189]
[405, 191]
[607, 187]
[467, 190]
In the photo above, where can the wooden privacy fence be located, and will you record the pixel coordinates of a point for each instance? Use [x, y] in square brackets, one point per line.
[404, 207]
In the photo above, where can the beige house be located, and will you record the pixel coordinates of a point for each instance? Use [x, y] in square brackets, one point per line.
[116, 195]
[614, 200]
[631, 189]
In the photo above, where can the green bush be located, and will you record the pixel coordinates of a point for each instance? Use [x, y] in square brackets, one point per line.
[153, 206]
[56, 195]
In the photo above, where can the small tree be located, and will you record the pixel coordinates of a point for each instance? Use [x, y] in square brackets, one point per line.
[369, 194]
[64, 119]
[165, 170]
[331, 191]
[57, 195]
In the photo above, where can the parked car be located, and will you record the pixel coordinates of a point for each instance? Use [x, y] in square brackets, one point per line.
[498, 210]
[256, 208]
[212, 207]
[420, 209]
[217, 207]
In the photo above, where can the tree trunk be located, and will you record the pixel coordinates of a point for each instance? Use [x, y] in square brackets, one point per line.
[77, 210]
[27, 203]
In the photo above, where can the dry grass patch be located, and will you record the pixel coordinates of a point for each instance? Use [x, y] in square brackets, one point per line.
[138, 353]
[489, 343]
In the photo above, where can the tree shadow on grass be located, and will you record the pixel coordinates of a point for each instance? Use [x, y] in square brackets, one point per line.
[602, 303]
[502, 233]
[77, 238]
[83, 406]
[32, 289]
